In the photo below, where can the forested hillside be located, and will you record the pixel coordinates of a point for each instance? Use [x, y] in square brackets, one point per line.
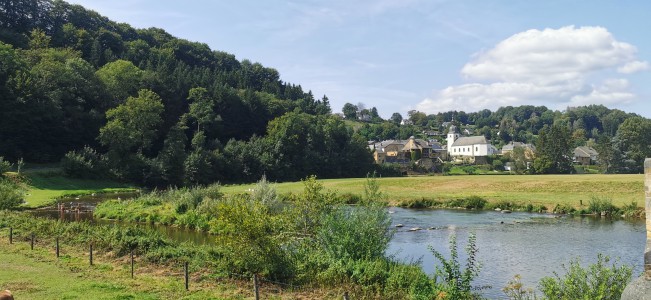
[140, 105]
[155, 109]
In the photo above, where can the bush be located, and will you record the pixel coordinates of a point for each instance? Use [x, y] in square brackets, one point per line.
[11, 194]
[498, 165]
[632, 210]
[451, 280]
[356, 233]
[563, 209]
[472, 202]
[349, 198]
[85, 163]
[388, 170]
[515, 290]
[536, 208]
[598, 281]
[599, 205]
[420, 203]
[5, 166]
[251, 237]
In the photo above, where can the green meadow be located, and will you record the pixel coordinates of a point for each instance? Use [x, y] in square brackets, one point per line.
[547, 190]
[38, 274]
[45, 185]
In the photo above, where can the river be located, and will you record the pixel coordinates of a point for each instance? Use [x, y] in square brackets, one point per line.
[529, 244]
[532, 245]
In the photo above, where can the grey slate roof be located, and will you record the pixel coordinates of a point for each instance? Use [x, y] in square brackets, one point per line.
[585, 151]
[469, 141]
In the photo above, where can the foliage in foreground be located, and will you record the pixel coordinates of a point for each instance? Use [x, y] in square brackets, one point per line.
[599, 281]
[11, 194]
[455, 280]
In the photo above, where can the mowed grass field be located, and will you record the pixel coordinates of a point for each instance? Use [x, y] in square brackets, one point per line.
[37, 274]
[45, 189]
[548, 190]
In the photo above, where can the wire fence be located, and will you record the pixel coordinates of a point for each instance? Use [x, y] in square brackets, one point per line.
[258, 285]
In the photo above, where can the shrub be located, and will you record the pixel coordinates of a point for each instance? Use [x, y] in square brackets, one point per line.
[250, 236]
[388, 170]
[349, 198]
[515, 290]
[498, 165]
[356, 233]
[5, 166]
[450, 278]
[536, 208]
[599, 205]
[11, 194]
[85, 163]
[632, 210]
[408, 279]
[372, 191]
[472, 202]
[563, 209]
[420, 203]
[503, 204]
[598, 281]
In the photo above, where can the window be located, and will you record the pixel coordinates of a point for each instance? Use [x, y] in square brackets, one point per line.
[476, 148]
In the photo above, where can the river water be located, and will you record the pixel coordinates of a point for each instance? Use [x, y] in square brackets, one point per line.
[531, 245]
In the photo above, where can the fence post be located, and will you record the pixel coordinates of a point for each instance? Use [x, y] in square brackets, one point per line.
[11, 235]
[256, 288]
[187, 281]
[346, 296]
[132, 263]
[91, 254]
[31, 242]
[57, 246]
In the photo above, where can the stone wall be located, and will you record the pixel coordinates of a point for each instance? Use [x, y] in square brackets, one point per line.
[640, 289]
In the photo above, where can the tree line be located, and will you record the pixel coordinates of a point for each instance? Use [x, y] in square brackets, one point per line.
[144, 106]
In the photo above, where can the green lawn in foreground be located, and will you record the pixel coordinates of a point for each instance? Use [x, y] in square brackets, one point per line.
[38, 274]
[45, 188]
[547, 190]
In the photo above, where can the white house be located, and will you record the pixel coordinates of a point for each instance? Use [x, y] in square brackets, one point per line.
[469, 147]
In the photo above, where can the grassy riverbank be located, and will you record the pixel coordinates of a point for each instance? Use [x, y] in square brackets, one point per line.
[45, 185]
[38, 274]
[545, 190]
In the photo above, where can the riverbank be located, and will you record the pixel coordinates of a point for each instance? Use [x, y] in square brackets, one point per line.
[45, 187]
[538, 190]
[39, 274]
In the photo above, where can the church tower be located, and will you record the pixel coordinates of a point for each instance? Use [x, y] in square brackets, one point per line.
[453, 135]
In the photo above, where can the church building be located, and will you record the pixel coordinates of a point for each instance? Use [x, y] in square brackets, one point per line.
[468, 148]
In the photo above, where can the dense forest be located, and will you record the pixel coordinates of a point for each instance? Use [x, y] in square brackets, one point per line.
[143, 106]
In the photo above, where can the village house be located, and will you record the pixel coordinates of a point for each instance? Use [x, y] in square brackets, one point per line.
[585, 155]
[468, 148]
[529, 149]
[400, 151]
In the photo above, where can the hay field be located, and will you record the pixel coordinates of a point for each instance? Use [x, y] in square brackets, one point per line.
[547, 190]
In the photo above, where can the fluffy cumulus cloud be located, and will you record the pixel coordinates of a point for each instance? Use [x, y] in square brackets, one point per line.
[552, 67]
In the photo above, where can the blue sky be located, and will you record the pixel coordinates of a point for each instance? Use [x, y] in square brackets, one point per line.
[399, 55]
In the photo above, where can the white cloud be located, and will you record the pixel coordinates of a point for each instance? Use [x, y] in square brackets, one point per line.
[611, 91]
[634, 66]
[550, 67]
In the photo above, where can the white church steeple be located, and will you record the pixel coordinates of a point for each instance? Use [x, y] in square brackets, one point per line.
[453, 135]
